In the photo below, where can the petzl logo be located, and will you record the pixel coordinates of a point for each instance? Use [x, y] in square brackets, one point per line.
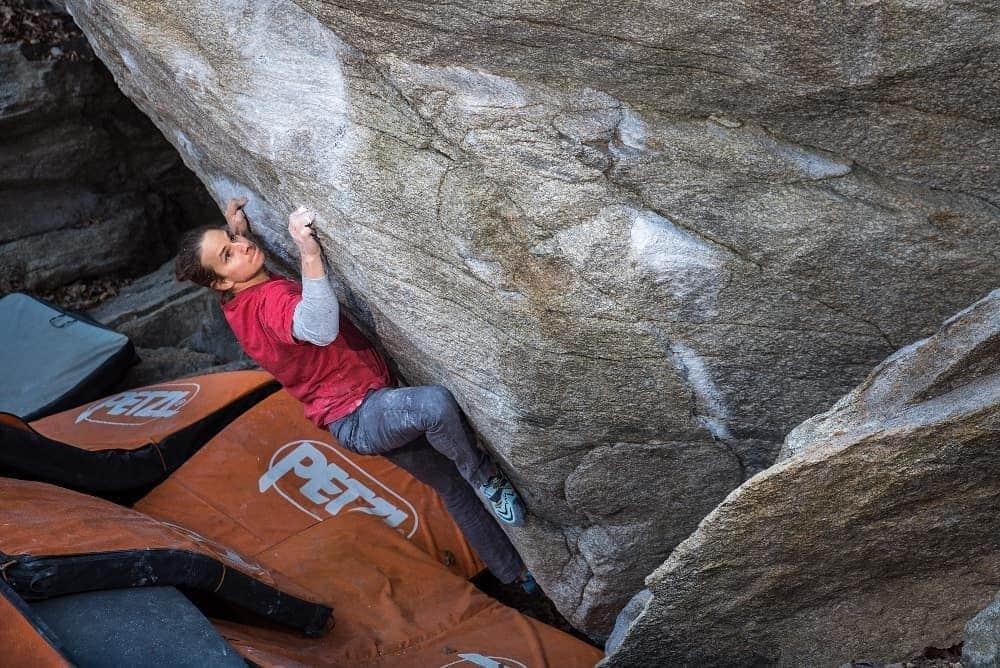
[138, 407]
[334, 486]
[469, 659]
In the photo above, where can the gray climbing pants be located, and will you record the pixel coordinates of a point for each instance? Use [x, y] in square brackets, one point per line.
[422, 430]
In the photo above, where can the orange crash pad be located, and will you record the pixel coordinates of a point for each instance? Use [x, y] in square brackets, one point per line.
[396, 607]
[56, 541]
[131, 440]
[359, 534]
[25, 641]
[272, 474]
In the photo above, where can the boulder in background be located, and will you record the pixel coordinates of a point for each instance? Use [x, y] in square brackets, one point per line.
[877, 536]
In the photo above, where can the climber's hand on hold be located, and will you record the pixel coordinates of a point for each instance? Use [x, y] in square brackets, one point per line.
[300, 228]
[236, 219]
[302, 233]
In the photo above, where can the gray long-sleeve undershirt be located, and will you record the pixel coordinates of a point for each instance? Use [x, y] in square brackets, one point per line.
[317, 316]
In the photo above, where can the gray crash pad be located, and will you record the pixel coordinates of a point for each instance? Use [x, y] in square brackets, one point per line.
[144, 626]
[53, 359]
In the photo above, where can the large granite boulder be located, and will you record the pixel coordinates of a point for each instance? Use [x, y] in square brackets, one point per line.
[981, 642]
[877, 536]
[88, 186]
[639, 243]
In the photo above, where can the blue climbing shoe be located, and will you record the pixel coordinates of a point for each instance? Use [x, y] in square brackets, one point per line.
[528, 583]
[504, 500]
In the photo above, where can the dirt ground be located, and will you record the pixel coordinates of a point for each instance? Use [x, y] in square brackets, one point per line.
[19, 22]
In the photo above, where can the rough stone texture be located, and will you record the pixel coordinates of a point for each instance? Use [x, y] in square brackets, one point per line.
[88, 186]
[878, 536]
[156, 311]
[908, 89]
[638, 242]
[981, 646]
[158, 365]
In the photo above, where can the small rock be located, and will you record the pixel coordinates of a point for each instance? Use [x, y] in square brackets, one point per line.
[159, 365]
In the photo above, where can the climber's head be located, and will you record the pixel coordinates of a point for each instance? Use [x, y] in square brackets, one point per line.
[219, 259]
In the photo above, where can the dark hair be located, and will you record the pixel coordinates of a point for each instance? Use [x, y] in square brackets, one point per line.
[187, 264]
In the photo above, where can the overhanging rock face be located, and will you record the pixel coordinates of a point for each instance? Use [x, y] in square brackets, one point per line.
[876, 536]
[636, 269]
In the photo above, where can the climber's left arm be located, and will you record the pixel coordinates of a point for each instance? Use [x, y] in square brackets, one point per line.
[317, 316]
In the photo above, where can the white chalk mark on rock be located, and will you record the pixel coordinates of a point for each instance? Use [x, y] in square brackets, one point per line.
[488, 272]
[129, 61]
[812, 164]
[693, 271]
[710, 408]
[191, 153]
[294, 89]
[630, 137]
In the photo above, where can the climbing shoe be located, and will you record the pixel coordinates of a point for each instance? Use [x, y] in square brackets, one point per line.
[504, 500]
[528, 583]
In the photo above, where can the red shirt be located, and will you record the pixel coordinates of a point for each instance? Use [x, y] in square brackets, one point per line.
[331, 381]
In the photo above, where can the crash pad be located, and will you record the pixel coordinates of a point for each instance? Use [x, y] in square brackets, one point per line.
[53, 359]
[359, 534]
[140, 626]
[272, 474]
[56, 541]
[131, 440]
[26, 641]
[396, 607]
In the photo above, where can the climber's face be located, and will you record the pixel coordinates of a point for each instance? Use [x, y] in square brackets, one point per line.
[237, 261]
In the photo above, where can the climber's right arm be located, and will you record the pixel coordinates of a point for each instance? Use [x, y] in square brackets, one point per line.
[236, 219]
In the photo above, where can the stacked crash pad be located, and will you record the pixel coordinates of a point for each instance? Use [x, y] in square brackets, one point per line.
[56, 541]
[53, 359]
[272, 516]
[129, 441]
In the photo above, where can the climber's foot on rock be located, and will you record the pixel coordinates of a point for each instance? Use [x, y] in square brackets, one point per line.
[504, 500]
